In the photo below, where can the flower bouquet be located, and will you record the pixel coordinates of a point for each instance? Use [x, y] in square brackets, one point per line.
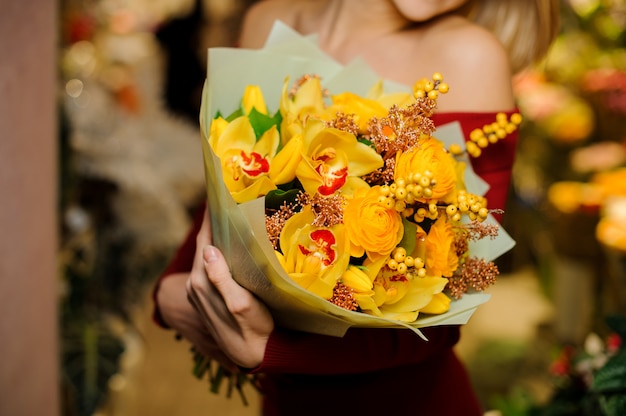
[341, 207]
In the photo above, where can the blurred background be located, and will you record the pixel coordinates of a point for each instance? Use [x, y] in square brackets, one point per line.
[130, 74]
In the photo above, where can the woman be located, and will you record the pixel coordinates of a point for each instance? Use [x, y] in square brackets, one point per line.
[478, 46]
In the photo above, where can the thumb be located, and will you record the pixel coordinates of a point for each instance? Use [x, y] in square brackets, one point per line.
[219, 275]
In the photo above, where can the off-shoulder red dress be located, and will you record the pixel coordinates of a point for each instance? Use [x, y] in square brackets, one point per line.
[372, 371]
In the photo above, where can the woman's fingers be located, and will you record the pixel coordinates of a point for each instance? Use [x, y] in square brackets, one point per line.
[238, 321]
[238, 300]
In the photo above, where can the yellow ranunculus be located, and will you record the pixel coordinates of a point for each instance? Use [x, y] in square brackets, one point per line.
[253, 98]
[429, 155]
[441, 258]
[245, 161]
[371, 227]
[314, 257]
[330, 156]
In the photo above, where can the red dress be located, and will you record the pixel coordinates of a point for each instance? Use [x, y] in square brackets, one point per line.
[373, 371]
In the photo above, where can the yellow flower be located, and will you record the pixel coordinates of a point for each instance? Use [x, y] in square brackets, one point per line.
[418, 294]
[284, 165]
[429, 156]
[218, 126]
[330, 157]
[296, 109]
[371, 227]
[314, 257]
[610, 183]
[611, 229]
[362, 285]
[387, 100]
[253, 98]
[440, 303]
[569, 196]
[401, 298]
[383, 292]
[245, 161]
[362, 108]
[441, 258]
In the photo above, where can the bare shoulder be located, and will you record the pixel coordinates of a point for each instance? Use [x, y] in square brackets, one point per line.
[476, 66]
[260, 18]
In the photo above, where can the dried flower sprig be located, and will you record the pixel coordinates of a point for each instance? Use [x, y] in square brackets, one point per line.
[343, 296]
[328, 210]
[275, 222]
[474, 273]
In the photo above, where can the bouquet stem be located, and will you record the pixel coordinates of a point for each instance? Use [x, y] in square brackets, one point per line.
[216, 373]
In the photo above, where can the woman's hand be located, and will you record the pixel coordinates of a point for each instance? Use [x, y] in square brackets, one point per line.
[238, 322]
[180, 315]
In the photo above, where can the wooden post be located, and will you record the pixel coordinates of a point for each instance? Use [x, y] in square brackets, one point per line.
[28, 232]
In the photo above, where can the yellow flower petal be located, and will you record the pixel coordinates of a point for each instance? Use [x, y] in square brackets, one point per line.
[239, 134]
[218, 126]
[440, 303]
[284, 164]
[419, 295]
[441, 258]
[253, 98]
[267, 145]
[258, 188]
[363, 108]
[315, 256]
[358, 280]
[371, 225]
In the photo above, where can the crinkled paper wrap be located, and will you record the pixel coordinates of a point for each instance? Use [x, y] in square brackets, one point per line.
[239, 229]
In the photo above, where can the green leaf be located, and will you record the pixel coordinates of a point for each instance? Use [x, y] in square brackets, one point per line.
[274, 199]
[366, 142]
[408, 239]
[614, 405]
[612, 376]
[234, 115]
[262, 122]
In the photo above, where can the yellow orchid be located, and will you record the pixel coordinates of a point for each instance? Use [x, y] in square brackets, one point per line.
[245, 161]
[253, 98]
[380, 291]
[307, 101]
[407, 297]
[330, 157]
[362, 285]
[314, 257]
[284, 165]
[439, 304]
[218, 125]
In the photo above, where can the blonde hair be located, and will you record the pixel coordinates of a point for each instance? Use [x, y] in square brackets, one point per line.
[526, 28]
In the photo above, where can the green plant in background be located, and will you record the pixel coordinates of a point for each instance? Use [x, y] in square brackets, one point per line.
[571, 165]
[590, 381]
[609, 382]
